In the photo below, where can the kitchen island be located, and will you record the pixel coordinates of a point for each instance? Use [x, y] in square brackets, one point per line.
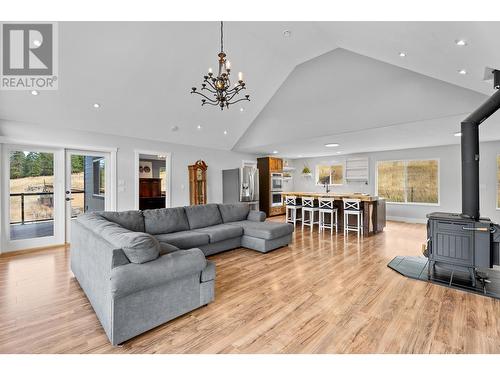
[373, 208]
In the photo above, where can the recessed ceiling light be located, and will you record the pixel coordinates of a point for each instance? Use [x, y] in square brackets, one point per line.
[460, 42]
[198, 127]
[339, 152]
[299, 156]
[174, 128]
[458, 134]
[34, 92]
[287, 33]
[225, 132]
[402, 54]
[37, 43]
[242, 109]
[462, 72]
[96, 105]
[275, 152]
[332, 145]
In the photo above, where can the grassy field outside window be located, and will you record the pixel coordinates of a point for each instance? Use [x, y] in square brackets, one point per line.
[330, 174]
[408, 181]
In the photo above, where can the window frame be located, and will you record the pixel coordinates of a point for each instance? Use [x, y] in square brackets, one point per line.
[405, 162]
[316, 173]
[98, 161]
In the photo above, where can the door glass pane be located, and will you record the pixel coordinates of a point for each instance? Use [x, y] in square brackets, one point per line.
[390, 180]
[422, 181]
[31, 194]
[87, 184]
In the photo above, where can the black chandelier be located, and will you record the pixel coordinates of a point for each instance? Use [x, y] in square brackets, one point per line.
[220, 86]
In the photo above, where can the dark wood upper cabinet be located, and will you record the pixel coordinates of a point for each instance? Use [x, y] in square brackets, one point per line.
[275, 165]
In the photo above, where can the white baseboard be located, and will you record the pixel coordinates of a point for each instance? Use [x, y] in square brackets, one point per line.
[413, 220]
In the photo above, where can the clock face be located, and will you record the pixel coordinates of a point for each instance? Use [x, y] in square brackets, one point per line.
[199, 174]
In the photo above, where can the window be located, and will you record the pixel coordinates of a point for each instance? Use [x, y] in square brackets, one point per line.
[498, 181]
[99, 176]
[408, 181]
[330, 174]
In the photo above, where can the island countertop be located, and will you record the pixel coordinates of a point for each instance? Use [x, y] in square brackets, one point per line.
[339, 196]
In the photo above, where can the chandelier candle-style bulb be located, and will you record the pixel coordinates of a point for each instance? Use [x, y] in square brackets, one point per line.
[219, 91]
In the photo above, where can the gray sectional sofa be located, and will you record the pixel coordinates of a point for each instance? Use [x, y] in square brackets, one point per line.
[140, 269]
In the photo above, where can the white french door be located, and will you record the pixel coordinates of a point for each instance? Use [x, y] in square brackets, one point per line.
[32, 196]
[88, 184]
[44, 188]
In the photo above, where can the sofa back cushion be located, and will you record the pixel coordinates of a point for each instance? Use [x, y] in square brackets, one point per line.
[131, 220]
[165, 220]
[234, 212]
[138, 247]
[202, 216]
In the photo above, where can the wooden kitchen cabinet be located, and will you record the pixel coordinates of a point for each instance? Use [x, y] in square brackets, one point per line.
[267, 166]
[275, 165]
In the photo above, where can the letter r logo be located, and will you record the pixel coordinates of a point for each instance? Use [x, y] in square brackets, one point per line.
[27, 49]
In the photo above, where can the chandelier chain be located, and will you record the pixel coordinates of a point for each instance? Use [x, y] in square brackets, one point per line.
[221, 37]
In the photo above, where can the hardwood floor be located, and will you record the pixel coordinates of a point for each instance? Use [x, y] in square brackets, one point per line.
[321, 294]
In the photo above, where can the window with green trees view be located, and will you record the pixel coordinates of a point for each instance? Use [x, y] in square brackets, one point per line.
[408, 181]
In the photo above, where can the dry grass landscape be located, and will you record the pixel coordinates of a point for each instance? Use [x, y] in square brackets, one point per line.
[37, 207]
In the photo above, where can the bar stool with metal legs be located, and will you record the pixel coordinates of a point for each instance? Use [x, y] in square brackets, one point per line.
[292, 205]
[310, 209]
[353, 207]
[327, 206]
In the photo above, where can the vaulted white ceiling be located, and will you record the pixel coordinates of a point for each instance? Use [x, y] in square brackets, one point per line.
[328, 79]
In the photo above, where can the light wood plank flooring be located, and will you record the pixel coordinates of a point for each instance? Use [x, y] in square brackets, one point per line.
[321, 294]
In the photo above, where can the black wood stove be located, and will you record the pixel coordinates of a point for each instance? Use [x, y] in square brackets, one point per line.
[467, 242]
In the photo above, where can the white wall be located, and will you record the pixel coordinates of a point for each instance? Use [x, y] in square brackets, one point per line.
[449, 174]
[182, 156]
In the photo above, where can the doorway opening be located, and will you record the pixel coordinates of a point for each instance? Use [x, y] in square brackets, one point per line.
[152, 180]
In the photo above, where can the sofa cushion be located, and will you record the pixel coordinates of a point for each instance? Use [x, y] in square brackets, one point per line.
[132, 278]
[166, 248]
[265, 230]
[138, 247]
[165, 220]
[256, 216]
[131, 220]
[233, 212]
[185, 239]
[221, 232]
[202, 216]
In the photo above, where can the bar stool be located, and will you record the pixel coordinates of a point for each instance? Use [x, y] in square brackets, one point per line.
[353, 207]
[292, 205]
[309, 208]
[327, 206]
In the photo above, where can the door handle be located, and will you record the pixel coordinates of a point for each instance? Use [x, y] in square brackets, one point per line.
[476, 229]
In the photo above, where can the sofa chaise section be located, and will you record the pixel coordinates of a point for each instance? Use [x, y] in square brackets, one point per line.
[133, 282]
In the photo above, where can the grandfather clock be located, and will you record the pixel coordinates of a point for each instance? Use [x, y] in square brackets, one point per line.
[198, 183]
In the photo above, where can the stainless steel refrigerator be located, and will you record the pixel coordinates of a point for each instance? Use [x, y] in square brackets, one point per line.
[241, 185]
